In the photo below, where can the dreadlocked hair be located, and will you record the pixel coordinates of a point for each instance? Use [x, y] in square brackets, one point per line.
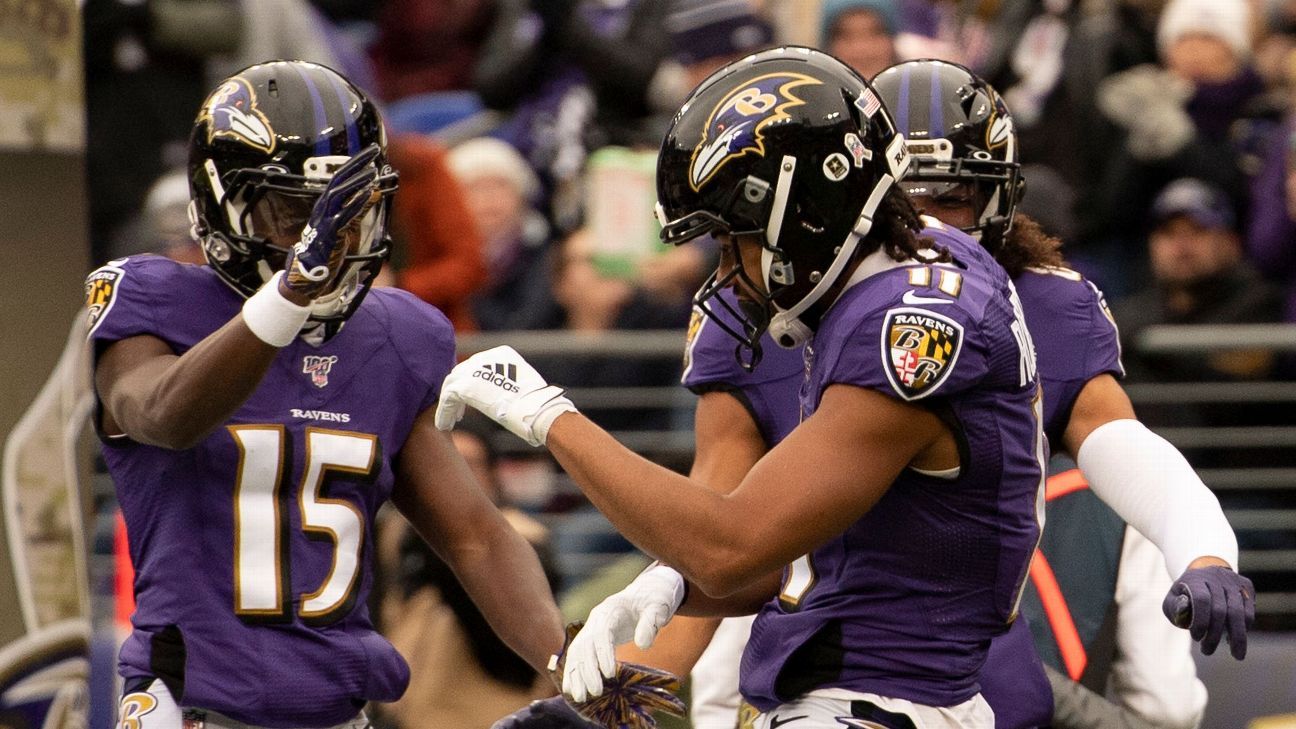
[1028, 246]
[897, 228]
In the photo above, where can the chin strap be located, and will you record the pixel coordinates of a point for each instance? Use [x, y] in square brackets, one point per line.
[786, 327]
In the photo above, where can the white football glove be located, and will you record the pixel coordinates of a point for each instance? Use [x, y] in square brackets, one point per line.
[506, 389]
[638, 612]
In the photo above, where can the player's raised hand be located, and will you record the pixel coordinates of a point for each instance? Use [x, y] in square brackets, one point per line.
[630, 698]
[506, 389]
[1211, 602]
[636, 612]
[315, 260]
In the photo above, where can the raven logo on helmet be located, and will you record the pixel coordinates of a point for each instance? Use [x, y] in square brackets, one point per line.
[233, 112]
[737, 124]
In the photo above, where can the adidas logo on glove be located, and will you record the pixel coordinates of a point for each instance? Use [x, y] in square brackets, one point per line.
[505, 376]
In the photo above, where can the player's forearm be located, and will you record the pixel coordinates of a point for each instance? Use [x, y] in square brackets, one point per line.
[1150, 485]
[745, 601]
[677, 646]
[506, 582]
[174, 402]
[680, 522]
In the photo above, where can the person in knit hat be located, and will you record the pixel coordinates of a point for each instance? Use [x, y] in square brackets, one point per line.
[861, 33]
[1206, 40]
[1179, 117]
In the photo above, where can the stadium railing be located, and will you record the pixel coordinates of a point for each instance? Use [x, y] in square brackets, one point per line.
[1265, 518]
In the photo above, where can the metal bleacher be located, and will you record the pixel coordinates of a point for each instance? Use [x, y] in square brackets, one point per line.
[1266, 523]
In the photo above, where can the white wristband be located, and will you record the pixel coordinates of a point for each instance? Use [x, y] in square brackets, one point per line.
[272, 318]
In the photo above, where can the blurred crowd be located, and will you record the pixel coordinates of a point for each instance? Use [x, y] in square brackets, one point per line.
[1158, 139]
[1157, 135]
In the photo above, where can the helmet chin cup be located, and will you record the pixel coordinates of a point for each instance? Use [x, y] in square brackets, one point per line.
[787, 331]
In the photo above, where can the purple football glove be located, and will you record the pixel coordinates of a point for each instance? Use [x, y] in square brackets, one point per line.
[315, 260]
[1212, 601]
[551, 713]
[629, 699]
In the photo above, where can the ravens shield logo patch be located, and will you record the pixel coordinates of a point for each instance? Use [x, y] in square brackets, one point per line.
[101, 291]
[919, 349]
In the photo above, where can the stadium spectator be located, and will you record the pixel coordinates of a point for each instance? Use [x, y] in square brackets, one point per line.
[438, 243]
[500, 190]
[1271, 229]
[289, 29]
[707, 34]
[572, 76]
[1199, 276]
[861, 33]
[1175, 118]
[588, 301]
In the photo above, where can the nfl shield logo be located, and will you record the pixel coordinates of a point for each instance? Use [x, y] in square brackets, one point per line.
[318, 368]
[193, 719]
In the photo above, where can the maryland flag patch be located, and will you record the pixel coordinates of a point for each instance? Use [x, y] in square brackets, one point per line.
[694, 326]
[101, 291]
[920, 349]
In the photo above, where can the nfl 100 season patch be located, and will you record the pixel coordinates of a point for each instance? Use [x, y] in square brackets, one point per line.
[101, 288]
[318, 367]
[920, 349]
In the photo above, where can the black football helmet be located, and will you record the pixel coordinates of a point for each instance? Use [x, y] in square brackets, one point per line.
[262, 149]
[791, 145]
[960, 134]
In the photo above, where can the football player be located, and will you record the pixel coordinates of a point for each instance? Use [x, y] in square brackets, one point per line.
[256, 412]
[966, 172]
[908, 499]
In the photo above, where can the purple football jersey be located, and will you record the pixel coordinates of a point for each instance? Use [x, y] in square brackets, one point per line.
[906, 601]
[769, 391]
[1075, 339]
[252, 549]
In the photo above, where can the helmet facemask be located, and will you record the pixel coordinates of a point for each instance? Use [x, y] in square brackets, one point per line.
[990, 188]
[263, 212]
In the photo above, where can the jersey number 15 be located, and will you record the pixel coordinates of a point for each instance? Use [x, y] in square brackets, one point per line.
[262, 588]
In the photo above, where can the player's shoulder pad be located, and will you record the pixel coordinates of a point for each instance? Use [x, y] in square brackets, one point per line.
[1059, 289]
[915, 333]
[419, 331]
[920, 349]
[134, 280]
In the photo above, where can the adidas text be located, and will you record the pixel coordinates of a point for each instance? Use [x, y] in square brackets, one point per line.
[503, 376]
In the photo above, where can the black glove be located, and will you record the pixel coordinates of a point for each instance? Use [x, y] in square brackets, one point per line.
[1210, 602]
[551, 713]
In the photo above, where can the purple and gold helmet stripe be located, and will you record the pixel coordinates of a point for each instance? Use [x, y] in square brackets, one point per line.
[321, 117]
[348, 115]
